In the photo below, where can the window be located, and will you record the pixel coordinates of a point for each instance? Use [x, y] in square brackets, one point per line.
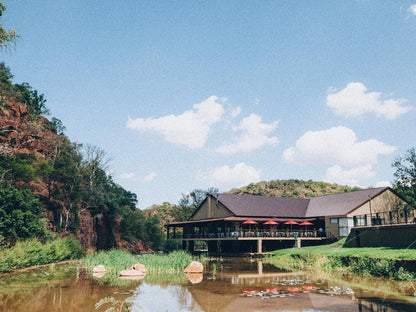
[345, 225]
[360, 220]
[333, 220]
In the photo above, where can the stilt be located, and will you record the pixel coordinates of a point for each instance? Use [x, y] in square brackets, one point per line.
[259, 245]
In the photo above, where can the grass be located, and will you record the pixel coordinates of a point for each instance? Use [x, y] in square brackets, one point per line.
[117, 260]
[33, 252]
[337, 260]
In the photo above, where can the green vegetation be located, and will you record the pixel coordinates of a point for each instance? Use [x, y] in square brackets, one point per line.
[340, 261]
[6, 36]
[405, 174]
[32, 252]
[116, 260]
[292, 188]
[19, 215]
[43, 173]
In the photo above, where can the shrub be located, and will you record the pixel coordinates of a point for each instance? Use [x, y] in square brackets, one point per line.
[32, 252]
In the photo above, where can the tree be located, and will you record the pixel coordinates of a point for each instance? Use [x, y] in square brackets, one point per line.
[6, 36]
[190, 202]
[20, 215]
[34, 101]
[405, 183]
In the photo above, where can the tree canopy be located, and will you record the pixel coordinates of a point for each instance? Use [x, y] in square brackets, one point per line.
[6, 36]
[405, 174]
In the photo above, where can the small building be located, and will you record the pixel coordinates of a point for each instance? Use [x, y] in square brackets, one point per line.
[252, 223]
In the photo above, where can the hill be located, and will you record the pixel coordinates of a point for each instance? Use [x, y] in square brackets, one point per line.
[292, 188]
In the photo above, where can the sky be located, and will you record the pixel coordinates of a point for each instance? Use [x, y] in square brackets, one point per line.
[197, 94]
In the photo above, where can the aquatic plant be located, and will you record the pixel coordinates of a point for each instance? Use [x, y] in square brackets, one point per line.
[33, 252]
[117, 260]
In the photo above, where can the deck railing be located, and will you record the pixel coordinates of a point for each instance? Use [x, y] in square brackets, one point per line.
[386, 218]
[248, 233]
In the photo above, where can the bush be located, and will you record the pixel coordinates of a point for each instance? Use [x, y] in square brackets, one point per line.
[20, 215]
[32, 252]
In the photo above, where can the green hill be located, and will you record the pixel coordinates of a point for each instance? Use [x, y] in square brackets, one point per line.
[292, 188]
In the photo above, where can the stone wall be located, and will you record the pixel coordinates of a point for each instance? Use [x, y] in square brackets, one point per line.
[397, 236]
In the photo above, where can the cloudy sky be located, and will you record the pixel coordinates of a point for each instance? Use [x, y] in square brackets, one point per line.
[194, 94]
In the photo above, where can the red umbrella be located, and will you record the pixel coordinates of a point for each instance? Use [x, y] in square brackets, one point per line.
[291, 222]
[306, 223]
[249, 221]
[271, 222]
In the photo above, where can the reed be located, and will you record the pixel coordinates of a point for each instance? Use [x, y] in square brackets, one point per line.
[339, 261]
[33, 252]
[117, 260]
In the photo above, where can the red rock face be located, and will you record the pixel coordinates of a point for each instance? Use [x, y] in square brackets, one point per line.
[19, 134]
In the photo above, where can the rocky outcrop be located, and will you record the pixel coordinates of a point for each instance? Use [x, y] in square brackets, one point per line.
[22, 133]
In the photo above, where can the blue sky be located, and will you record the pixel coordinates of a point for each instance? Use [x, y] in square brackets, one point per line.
[194, 94]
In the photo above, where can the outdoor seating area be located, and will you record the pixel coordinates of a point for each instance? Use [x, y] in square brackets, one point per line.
[251, 233]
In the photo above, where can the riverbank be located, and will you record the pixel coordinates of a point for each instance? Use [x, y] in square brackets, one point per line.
[32, 252]
[337, 260]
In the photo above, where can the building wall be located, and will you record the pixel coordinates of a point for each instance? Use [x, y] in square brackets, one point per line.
[211, 209]
[386, 201]
[332, 228]
[398, 236]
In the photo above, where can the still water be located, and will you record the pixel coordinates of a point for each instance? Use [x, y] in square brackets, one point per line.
[229, 284]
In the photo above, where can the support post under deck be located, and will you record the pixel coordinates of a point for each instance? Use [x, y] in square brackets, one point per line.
[259, 245]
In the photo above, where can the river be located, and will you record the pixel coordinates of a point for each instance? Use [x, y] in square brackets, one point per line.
[229, 284]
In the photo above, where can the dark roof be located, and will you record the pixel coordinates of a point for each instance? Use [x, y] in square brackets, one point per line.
[254, 205]
[275, 207]
[341, 203]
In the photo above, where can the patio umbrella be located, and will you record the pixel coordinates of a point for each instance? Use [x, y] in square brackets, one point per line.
[306, 223]
[250, 222]
[291, 222]
[271, 222]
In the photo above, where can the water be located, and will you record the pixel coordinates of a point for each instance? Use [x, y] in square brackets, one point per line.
[229, 284]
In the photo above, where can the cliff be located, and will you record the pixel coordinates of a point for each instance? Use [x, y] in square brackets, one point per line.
[29, 154]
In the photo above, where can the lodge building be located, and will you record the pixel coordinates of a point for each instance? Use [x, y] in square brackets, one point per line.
[250, 223]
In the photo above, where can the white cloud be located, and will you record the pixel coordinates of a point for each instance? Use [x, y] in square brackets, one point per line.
[149, 177]
[190, 128]
[228, 177]
[412, 9]
[126, 175]
[254, 135]
[236, 111]
[336, 174]
[338, 145]
[383, 183]
[354, 100]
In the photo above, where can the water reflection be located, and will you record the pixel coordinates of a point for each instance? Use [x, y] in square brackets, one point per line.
[227, 285]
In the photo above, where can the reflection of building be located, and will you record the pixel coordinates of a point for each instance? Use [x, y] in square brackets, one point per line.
[220, 219]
